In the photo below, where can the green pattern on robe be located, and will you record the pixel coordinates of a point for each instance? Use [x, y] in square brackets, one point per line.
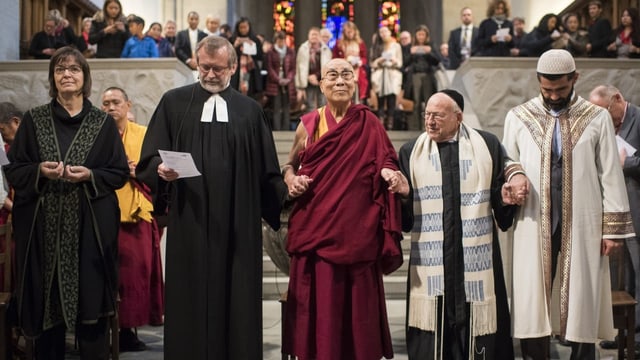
[60, 202]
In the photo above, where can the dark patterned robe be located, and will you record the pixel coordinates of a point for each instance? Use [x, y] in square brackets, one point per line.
[455, 326]
[66, 233]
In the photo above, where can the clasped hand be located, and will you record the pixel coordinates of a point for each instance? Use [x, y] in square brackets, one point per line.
[515, 191]
[297, 185]
[56, 170]
[397, 181]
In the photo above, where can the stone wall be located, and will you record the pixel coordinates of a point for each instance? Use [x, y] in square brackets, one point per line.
[492, 86]
[25, 83]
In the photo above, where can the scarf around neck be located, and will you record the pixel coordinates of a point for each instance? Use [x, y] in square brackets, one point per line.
[427, 237]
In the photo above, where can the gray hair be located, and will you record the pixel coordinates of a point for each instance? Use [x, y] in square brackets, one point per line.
[605, 91]
[213, 43]
[8, 111]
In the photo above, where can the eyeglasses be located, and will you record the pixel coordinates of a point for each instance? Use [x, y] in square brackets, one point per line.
[218, 71]
[436, 116]
[333, 75]
[73, 69]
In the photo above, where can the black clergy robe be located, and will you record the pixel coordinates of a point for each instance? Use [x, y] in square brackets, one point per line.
[95, 220]
[421, 343]
[213, 287]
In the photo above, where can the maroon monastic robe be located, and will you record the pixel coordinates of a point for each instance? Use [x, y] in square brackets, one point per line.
[344, 233]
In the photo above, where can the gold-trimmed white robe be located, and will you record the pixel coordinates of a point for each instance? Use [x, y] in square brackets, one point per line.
[595, 207]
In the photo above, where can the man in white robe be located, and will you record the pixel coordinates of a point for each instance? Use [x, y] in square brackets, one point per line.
[576, 214]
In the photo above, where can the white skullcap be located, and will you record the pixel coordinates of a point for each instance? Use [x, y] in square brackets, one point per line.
[556, 62]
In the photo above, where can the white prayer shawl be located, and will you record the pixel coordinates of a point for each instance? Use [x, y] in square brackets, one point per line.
[427, 237]
[595, 206]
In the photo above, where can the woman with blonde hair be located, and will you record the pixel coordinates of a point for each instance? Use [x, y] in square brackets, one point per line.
[351, 48]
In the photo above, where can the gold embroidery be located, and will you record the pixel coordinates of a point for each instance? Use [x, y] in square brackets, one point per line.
[617, 223]
[573, 123]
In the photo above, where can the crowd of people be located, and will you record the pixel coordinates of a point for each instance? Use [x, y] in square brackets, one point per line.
[87, 188]
[408, 74]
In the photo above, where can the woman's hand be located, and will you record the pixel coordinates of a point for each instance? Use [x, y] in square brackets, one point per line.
[76, 174]
[52, 170]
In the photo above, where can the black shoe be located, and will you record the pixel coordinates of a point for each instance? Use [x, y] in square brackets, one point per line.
[129, 341]
[608, 344]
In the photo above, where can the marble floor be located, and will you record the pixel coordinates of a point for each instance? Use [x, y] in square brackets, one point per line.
[153, 336]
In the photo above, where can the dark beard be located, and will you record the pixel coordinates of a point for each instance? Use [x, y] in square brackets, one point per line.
[559, 104]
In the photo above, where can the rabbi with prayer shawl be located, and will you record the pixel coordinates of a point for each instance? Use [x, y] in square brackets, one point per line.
[576, 215]
[457, 300]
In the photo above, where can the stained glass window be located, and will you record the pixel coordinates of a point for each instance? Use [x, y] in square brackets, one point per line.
[334, 14]
[389, 16]
[283, 17]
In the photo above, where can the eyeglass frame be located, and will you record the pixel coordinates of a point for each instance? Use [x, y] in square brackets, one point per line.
[73, 69]
[346, 75]
[216, 71]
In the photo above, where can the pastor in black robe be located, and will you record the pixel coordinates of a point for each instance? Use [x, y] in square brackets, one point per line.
[213, 287]
[66, 233]
[420, 344]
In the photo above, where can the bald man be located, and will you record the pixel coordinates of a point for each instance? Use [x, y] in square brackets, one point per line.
[626, 122]
[344, 229]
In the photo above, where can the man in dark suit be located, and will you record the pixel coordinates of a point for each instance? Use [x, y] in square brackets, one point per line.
[600, 32]
[461, 39]
[187, 39]
[626, 121]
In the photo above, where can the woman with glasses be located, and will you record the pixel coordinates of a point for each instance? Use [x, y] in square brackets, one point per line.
[67, 160]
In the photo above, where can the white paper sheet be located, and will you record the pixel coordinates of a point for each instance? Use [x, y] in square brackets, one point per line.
[501, 33]
[625, 145]
[180, 162]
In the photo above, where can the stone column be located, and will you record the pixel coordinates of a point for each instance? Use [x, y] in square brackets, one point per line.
[10, 20]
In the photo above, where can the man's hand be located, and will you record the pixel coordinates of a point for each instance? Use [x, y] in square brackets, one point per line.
[397, 181]
[297, 184]
[609, 246]
[132, 168]
[515, 192]
[166, 174]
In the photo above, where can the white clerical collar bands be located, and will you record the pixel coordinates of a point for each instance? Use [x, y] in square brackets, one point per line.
[220, 105]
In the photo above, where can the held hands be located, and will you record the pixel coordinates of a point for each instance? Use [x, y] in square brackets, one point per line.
[515, 192]
[297, 184]
[397, 181]
[166, 174]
